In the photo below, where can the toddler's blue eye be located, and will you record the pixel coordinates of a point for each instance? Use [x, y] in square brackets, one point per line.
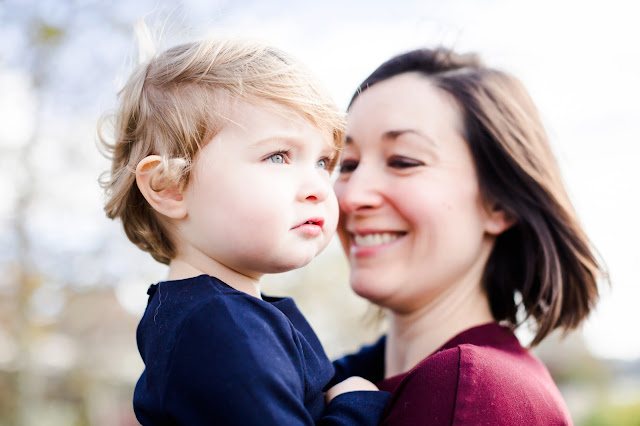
[322, 164]
[276, 158]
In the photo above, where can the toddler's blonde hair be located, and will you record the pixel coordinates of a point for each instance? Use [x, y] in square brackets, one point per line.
[176, 102]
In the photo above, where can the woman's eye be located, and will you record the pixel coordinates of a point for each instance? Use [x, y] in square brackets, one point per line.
[403, 162]
[347, 166]
[278, 158]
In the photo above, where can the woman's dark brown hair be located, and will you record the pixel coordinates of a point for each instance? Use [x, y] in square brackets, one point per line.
[544, 263]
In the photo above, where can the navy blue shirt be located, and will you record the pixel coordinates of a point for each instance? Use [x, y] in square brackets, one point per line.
[215, 355]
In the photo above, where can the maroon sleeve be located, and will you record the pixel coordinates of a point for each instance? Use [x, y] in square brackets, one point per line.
[506, 388]
[476, 385]
[427, 395]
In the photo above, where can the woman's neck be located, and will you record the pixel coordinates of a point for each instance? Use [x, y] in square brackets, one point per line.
[415, 335]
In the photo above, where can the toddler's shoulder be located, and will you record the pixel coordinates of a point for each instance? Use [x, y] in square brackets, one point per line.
[230, 332]
[235, 314]
[205, 311]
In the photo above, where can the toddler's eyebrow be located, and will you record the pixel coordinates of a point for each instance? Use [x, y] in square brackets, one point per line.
[284, 138]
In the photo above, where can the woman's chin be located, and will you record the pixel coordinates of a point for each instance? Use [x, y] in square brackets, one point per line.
[369, 290]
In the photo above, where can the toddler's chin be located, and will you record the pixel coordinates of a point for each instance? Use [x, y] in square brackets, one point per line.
[292, 264]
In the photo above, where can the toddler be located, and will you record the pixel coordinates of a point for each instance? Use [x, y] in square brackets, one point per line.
[221, 167]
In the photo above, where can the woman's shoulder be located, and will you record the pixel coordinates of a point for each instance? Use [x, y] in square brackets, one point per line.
[484, 345]
[507, 384]
[489, 356]
[472, 380]
[509, 370]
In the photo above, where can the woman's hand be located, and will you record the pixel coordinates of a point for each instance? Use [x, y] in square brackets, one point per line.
[351, 384]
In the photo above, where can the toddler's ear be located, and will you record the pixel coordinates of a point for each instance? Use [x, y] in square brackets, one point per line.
[498, 220]
[160, 192]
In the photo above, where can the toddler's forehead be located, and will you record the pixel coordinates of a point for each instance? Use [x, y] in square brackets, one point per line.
[264, 115]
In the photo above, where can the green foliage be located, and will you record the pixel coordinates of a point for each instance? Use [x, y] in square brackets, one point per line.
[48, 35]
[608, 413]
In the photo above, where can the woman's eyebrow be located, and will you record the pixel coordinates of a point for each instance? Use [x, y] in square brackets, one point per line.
[392, 135]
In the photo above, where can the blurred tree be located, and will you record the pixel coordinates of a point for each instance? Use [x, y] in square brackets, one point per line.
[609, 413]
[36, 36]
[44, 39]
[67, 346]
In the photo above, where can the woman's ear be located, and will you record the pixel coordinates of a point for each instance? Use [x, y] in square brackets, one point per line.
[498, 219]
[164, 196]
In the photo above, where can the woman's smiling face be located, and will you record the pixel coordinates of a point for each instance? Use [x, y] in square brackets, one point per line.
[413, 223]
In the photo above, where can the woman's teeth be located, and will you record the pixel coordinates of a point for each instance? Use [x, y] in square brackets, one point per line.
[375, 239]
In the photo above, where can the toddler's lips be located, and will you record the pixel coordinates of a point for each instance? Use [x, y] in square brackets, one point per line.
[311, 227]
[317, 221]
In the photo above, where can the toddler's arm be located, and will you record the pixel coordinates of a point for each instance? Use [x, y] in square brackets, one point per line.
[354, 401]
[352, 384]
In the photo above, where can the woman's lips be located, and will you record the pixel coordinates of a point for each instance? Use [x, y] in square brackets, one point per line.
[376, 239]
[370, 243]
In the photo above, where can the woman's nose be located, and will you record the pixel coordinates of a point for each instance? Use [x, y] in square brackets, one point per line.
[359, 190]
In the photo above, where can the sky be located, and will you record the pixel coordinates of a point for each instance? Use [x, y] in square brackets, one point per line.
[579, 59]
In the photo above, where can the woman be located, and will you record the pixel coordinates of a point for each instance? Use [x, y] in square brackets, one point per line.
[455, 219]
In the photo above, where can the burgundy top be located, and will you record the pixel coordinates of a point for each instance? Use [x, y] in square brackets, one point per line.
[481, 376]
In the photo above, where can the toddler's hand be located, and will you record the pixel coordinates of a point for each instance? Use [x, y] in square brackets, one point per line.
[351, 384]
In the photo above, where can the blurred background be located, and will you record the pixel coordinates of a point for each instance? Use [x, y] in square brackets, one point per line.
[72, 288]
